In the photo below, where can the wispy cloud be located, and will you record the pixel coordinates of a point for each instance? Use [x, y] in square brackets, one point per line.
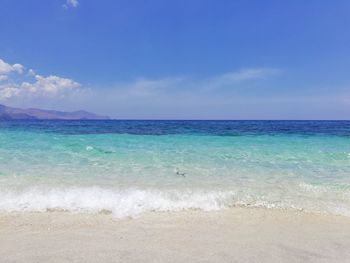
[238, 78]
[174, 85]
[149, 87]
[172, 97]
[248, 74]
[71, 3]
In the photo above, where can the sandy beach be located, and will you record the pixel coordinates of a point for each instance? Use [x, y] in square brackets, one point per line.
[233, 235]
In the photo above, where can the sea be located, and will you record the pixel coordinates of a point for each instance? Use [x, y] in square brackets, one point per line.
[129, 167]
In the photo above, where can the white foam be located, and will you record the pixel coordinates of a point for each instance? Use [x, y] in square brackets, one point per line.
[89, 148]
[121, 203]
[133, 201]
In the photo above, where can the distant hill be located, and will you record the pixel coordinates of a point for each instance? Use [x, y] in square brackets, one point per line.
[10, 113]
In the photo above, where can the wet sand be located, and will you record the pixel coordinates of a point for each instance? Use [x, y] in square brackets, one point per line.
[234, 235]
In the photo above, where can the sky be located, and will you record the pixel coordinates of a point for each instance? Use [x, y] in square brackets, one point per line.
[184, 59]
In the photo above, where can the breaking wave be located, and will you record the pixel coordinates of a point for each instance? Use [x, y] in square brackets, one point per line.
[132, 202]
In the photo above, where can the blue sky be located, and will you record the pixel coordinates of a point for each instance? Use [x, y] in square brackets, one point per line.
[178, 59]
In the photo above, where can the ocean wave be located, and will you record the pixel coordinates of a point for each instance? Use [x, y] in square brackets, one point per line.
[132, 202]
[121, 203]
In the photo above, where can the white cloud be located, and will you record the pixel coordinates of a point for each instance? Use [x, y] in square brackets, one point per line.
[31, 72]
[8, 91]
[3, 77]
[18, 68]
[26, 86]
[71, 3]
[49, 86]
[6, 68]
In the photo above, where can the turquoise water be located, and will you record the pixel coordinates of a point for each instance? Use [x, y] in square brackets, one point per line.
[127, 168]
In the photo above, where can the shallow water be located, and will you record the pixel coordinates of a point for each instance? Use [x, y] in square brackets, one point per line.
[129, 167]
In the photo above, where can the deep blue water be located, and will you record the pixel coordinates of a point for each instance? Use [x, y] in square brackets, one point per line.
[166, 127]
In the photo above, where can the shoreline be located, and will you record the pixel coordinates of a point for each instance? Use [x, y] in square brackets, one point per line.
[231, 235]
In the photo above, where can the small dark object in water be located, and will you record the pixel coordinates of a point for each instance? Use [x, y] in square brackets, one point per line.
[179, 173]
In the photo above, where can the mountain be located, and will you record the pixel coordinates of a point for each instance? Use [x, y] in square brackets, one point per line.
[10, 113]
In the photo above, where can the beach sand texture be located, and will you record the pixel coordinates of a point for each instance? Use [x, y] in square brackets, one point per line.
[232, 235]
